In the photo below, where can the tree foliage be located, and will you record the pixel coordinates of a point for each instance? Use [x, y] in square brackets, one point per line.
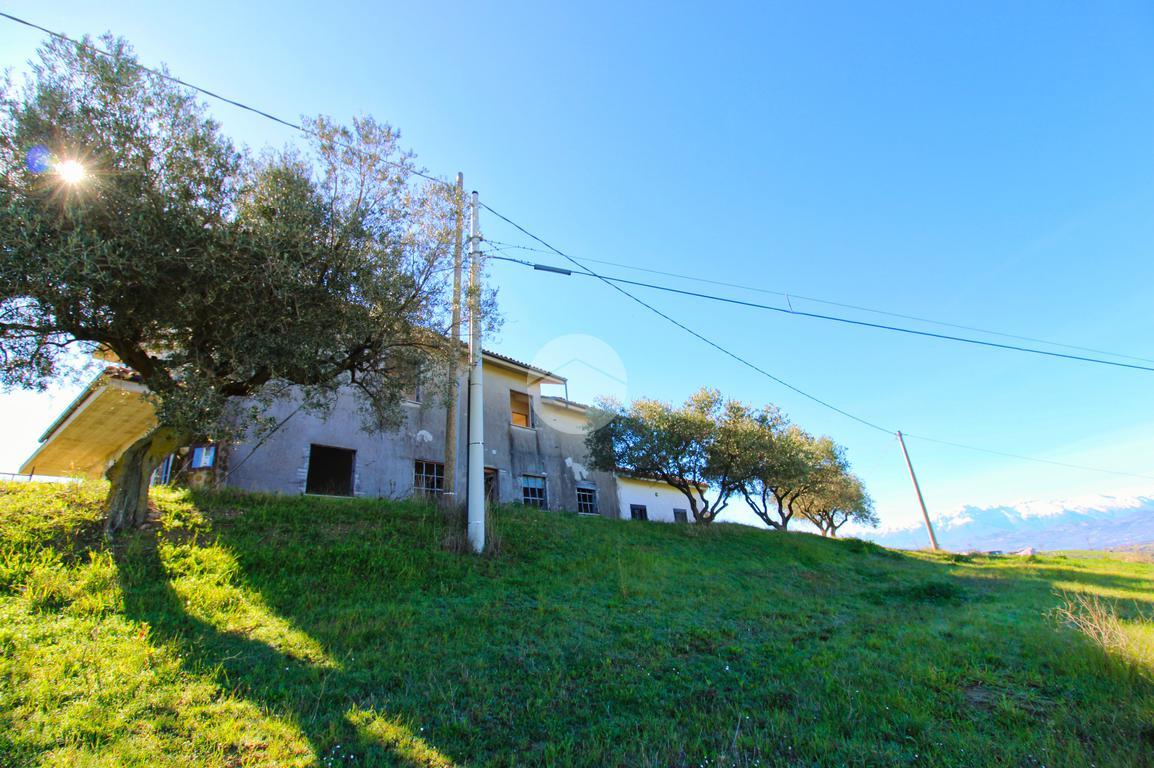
[695, 448]
[711, 448]
[841, 499]
[219, 278]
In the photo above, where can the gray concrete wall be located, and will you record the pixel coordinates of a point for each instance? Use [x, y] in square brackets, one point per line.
[554, 448]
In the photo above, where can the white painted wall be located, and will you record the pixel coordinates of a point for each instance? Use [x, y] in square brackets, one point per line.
[658, 499]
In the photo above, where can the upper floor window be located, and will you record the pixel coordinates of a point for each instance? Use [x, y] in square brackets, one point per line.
[522, 409]
[203, 457]
[533, 491]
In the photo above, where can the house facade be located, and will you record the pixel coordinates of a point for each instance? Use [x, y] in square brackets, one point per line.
[534, 445]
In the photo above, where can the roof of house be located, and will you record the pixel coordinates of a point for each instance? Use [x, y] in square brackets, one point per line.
[543, 376]
[110, 414]
[553, 400]
[113, 411]
[110, 372]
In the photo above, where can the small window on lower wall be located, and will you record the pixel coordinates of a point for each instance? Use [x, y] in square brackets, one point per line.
[533, 491]
[203, 457]
[680, 516]
[428, 478]
[638, 512]
[586, 501]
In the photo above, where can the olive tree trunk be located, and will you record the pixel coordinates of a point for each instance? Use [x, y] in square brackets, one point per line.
[129, 477]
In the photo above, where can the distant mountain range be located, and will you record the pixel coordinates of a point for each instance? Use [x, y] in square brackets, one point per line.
[1097, 522]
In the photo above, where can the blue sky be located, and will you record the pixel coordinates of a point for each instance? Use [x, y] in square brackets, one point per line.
[989, 164]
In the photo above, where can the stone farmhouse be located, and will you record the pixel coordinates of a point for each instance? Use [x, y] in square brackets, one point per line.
[534, 448]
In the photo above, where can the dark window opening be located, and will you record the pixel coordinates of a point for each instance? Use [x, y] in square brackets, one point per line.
[491, 485]
[522, 409]
[533, 491]
[586, 501]
[638, 512]
[330, 471]
[428, 478]
[680, 516]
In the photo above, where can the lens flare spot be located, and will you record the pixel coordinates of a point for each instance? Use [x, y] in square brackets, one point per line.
[70, 171]
[38, 159]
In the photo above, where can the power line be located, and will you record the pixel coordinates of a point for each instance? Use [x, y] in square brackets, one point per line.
[687, 329]
[950, 443]
[612, 281]
[836, 319]
[204, 91]
[1029, 458]
[790, 297]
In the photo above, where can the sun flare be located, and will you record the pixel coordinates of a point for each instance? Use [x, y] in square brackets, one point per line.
[70, 171]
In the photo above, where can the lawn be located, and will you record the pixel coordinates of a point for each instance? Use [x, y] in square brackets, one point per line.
[247, 630]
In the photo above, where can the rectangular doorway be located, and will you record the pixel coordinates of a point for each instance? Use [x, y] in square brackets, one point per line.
[330, 471]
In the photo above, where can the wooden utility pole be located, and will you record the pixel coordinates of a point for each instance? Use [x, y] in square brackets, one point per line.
[452, 425]
[476, 509]
[918, 491]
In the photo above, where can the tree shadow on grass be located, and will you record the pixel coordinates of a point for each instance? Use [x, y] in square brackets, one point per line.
[335, 712]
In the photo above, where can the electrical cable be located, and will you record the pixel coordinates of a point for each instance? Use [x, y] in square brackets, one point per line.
[204, 91]
[1028, 458]
[789, 296]
[836, 319]
[839, 410]
[687, 329]
[612, 282]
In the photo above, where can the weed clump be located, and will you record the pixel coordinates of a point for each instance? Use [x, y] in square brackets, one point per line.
[1099, 619]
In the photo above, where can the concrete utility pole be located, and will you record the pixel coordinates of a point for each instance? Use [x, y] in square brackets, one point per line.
[918, 490]
[452, 423]
[476, 528]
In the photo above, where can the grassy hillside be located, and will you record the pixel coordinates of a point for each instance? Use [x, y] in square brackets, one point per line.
[261, 631]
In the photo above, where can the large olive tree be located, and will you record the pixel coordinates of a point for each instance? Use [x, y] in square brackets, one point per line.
[129, 223]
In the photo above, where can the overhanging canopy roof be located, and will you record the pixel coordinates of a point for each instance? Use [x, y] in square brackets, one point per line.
[107, 417]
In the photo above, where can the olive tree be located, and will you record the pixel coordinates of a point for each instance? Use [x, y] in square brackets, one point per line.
[843, 499]
[694, 448]
[129, 223]
[779, 470]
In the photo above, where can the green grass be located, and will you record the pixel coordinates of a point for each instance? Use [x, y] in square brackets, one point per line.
[264, 631]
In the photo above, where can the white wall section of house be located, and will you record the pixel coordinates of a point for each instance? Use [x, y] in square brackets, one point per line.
[659, 499]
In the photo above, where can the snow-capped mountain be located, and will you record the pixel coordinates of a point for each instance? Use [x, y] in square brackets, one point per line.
[1095, 522]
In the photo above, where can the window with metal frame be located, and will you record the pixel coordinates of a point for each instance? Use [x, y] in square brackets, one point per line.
[587, 501]
[533, 491]
[680, 516]
[428, 477]
[638, 512]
